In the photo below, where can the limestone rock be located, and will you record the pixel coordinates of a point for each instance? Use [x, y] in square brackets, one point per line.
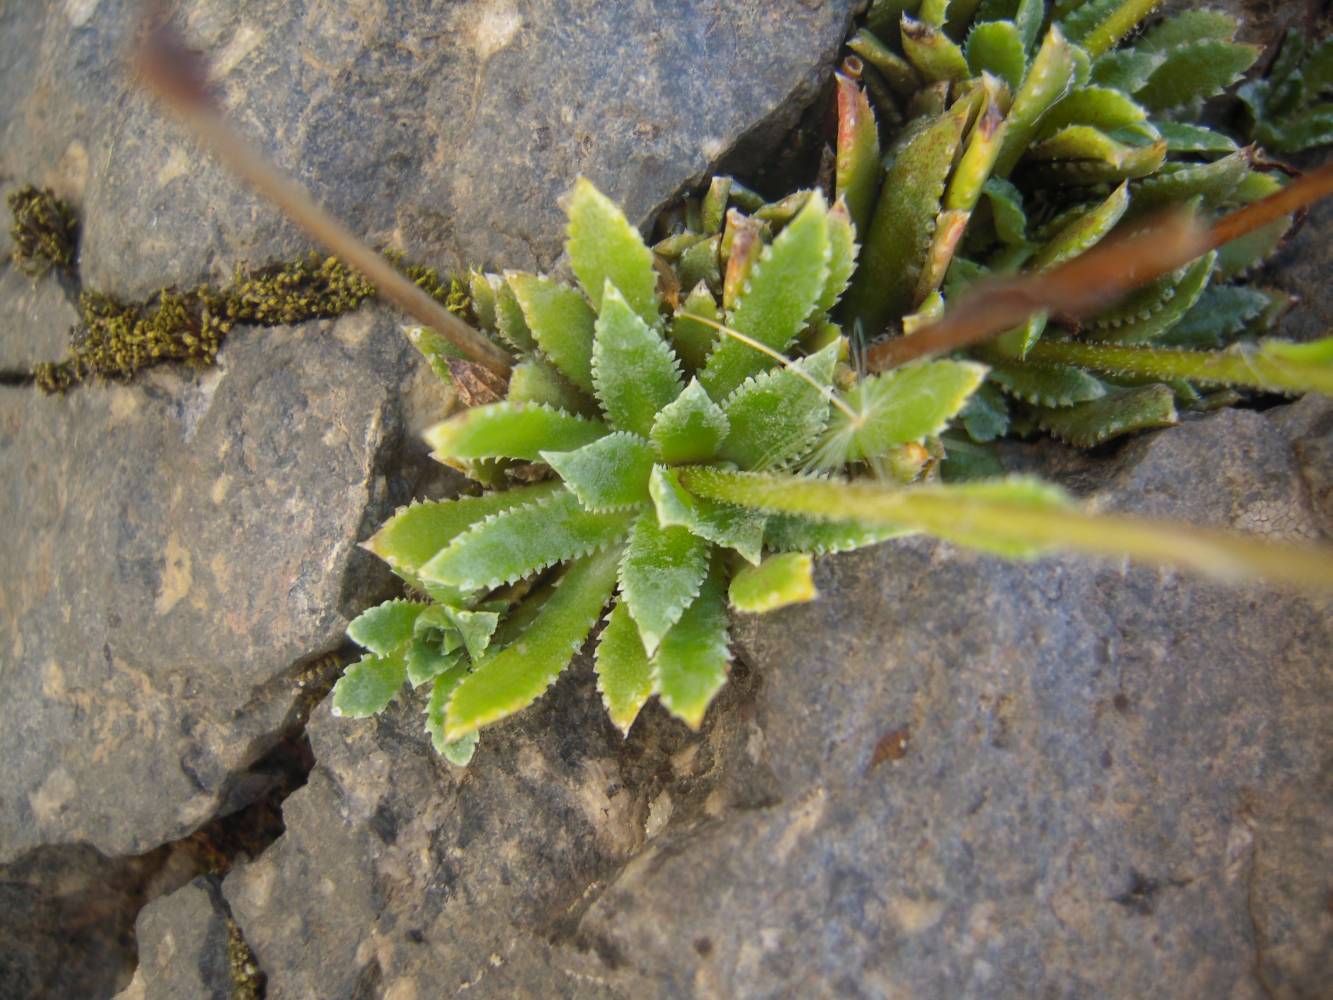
[35, 319]
[185, 947]
[178, 549]
[399, 873]
[450, 129]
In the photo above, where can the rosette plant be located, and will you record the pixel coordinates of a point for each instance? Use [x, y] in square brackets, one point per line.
[632, 404]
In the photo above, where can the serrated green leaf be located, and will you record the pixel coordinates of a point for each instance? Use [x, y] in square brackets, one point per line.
[481, 290]
[624, 676]
[894, 250]
[1015, 342]
[635, 372]
[694, 340]
[511, 430]
[1303, 129]
[1182, 137]
[775, 417]
[369, 685]
[435, 349]
[409, 539]
[523, 540]
[1082, 143]
[690, 667]
[985, 416]
[475, 628]
[1185, 291]
[842, 257]
[1120, 412]
[517, 675]
[1186, 26]
[700, 264]
[857, 164]
[561, 322]
[1243, 255]
[1053, 385]
[458, 752]
[1099, 24]
[535, 381]
[1006, 203]
[970, 175]
[604, 247]
[723, 524]
[385, 627]
[609, 474]
[660, 575]
[1194, 71]
[509, 321]
[1102, 107]
[996, 47]
[1083, 232]
[1048, 79]
[689, 429]
[1179, 182]
[898, 407]
[783, 290]
[931, 52]
[426, 660]
[780, 580]
[1125, 69]
[794, 533]
[1221, 312]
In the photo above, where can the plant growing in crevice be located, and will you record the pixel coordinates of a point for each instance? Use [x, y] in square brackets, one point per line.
[44, 230]
[1032, 133]
[680, 433]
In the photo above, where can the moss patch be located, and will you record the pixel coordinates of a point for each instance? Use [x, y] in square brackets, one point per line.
[117, 339]
[44, 230]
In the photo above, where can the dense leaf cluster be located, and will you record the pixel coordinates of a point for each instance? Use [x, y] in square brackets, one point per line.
[679, 431]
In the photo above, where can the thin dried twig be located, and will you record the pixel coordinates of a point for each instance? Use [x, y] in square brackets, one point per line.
[178, 76]
[1096, 278]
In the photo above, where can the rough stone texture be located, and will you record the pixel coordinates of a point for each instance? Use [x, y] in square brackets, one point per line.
[951, 775]
[67, 919]
[399, 873]
[184, 543]
[183, 946]
[35, 319]
[450, 129]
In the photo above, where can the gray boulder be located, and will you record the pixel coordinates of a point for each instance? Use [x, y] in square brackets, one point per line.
[184, 546]
[447, 129]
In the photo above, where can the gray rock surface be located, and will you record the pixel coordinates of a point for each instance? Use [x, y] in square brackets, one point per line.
[449, 129]
[35, 319]
[402, 876]
[184, 947]
[67, 919]
[951, 775]
[184, 544]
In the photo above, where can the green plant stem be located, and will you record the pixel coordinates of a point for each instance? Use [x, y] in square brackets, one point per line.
[1248, 366]
[951, 511]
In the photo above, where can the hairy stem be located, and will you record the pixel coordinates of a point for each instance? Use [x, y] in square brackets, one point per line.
[1248, 365]
[953, 511]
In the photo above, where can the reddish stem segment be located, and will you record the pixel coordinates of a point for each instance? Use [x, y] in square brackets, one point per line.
[1095, 278]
